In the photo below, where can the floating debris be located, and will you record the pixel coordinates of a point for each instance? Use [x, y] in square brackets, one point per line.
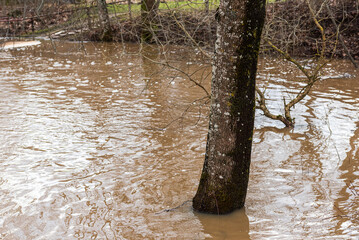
[17, 44]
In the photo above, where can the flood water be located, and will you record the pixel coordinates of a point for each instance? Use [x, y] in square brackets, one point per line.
[96, 141]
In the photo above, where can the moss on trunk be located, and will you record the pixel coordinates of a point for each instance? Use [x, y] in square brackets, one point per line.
[148, 14]
[224, 179]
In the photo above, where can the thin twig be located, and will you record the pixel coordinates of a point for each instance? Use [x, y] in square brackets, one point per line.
[183, 72]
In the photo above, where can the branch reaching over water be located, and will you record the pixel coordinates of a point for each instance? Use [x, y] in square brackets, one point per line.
[312, 74]
[262, 106]
[187, 34]
[189, 77]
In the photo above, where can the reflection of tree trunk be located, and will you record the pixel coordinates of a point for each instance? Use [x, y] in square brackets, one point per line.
[150, 69]
[346, 205]
[224, 180]
[148, 14]
[104, 20]
[213, 225]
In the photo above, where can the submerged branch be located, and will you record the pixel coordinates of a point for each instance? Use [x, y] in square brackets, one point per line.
[262, 106]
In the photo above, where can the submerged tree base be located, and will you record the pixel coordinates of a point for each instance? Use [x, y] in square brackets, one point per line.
[224, 180]
[221, 197]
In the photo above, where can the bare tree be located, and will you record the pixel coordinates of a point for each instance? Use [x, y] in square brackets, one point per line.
[148, 14]
[104, 20]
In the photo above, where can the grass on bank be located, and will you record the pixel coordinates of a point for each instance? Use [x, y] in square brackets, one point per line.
[123, 10]
[187, 6]
[172, 5]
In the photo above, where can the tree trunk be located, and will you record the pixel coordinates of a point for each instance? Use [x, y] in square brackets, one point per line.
[206, 6]
[148, 14]
[104, 20]
[129, 4]
[224, 179]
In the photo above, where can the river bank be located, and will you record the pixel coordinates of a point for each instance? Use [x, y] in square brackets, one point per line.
[289, 26]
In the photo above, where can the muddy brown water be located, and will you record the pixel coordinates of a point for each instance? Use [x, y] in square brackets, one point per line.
[86, 151]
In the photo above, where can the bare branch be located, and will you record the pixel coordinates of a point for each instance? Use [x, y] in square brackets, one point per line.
[184, 73]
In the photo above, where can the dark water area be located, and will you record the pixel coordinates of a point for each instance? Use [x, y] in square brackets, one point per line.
[97, 140]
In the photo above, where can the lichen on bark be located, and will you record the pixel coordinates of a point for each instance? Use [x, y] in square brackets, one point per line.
[224, 179]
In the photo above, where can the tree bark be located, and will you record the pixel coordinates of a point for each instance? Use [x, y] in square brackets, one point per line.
[104, 20]
[206, 6]
[225, 174]
[129, 4]
[148, 14]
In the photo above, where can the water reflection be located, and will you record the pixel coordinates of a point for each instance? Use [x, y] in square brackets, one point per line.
[233, 226]
[347, 203]
[87, 150]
